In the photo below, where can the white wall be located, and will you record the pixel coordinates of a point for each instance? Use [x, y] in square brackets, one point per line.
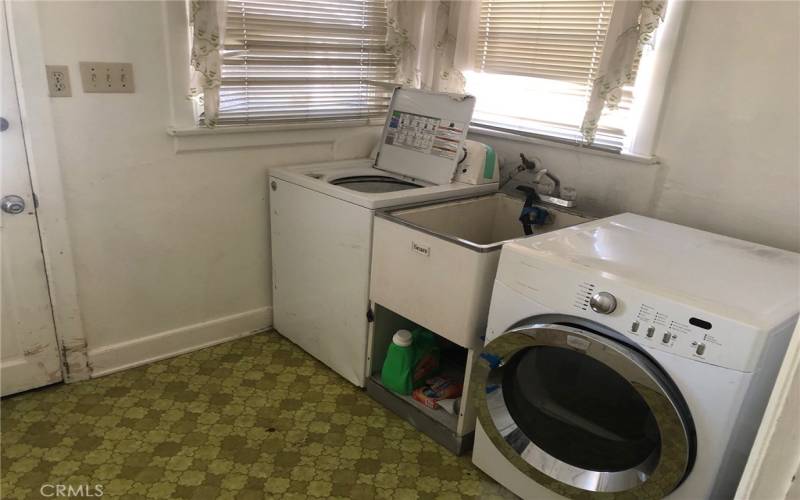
[730, 130]
[728, 142]
[170, 250]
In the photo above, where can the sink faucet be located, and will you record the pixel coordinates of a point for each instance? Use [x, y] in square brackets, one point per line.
[543, 172]
[555, 197]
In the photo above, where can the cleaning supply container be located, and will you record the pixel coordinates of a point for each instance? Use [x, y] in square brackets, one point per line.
[398, 366]
[426, 356]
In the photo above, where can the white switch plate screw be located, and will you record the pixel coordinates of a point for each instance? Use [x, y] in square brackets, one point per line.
[100, 77]
[58, 81]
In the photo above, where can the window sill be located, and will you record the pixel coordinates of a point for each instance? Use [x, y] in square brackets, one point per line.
[521, 137]
[195, 139]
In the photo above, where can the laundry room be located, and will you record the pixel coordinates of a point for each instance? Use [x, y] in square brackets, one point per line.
[400, 249]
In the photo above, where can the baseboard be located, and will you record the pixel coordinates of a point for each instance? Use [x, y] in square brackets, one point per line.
[123, 355]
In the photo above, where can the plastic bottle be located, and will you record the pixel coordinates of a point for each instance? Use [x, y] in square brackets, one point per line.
[399, 364]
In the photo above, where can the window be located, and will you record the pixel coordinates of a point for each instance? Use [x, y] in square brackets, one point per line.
[544, 55]
[301, 60]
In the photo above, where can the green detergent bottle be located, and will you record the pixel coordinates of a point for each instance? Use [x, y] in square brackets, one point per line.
[399, 364]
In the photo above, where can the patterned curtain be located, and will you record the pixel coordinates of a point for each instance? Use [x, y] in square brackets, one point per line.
[207, 18]
[621, 55]
[422, 36]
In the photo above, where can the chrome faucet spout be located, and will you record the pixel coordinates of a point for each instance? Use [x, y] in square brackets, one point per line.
[555, 196]
[556, 182]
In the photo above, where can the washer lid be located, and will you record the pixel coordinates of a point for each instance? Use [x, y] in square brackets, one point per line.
[424, 133]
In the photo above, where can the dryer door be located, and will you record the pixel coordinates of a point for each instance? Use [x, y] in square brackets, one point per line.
[579, 412]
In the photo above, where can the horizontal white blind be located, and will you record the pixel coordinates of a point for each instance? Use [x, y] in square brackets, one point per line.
[301, 60]
[558, 39]
[544, 55]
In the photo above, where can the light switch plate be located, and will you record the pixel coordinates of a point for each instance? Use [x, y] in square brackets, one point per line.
[58, 81]
[103, 77]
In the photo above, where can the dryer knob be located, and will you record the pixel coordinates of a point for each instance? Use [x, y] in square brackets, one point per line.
[603, 303]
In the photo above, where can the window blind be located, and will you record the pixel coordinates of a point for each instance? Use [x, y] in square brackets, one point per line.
[545, 55]
[300, 60]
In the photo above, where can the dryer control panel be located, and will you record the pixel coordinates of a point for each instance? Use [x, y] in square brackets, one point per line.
[691, 336]
[650, 318]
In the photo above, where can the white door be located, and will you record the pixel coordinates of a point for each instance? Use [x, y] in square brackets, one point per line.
[28, 349]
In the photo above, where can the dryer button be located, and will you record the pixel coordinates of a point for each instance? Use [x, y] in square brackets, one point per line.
[603, 303]
[701, 348]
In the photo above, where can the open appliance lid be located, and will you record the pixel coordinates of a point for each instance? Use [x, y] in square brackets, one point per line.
[424, 133]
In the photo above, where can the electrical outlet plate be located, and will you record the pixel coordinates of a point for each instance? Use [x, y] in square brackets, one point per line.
[102, 77]
[58, 81]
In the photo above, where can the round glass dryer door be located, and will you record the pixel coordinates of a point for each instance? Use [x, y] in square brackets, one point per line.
[579, 412]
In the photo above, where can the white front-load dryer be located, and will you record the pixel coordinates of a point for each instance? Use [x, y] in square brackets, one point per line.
[629, 357]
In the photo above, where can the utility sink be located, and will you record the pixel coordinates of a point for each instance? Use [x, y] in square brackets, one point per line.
[482, 224]
[435, 264]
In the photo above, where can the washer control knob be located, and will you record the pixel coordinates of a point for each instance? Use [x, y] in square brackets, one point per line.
[667, 337]
[701, 349]
[651, 331]
[603, 303]
[635, 326]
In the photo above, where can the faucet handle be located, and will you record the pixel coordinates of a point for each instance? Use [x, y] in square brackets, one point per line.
[568, 193]
[528, 164]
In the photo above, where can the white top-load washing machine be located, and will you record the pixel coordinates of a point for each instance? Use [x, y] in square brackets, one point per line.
[321, 220]
[630, 358]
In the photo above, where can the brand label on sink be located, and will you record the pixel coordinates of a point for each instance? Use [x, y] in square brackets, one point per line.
[421, 249]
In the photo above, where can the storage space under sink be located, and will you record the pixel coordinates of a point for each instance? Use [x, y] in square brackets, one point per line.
[436, 263]
[453, 431]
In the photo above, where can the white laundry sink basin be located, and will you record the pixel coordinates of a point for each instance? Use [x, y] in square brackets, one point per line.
[435, 264]
[482, 224]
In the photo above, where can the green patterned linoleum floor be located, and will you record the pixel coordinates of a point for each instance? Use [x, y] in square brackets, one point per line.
[253, 418]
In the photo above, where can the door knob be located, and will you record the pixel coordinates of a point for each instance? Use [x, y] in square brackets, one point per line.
[12, 204]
